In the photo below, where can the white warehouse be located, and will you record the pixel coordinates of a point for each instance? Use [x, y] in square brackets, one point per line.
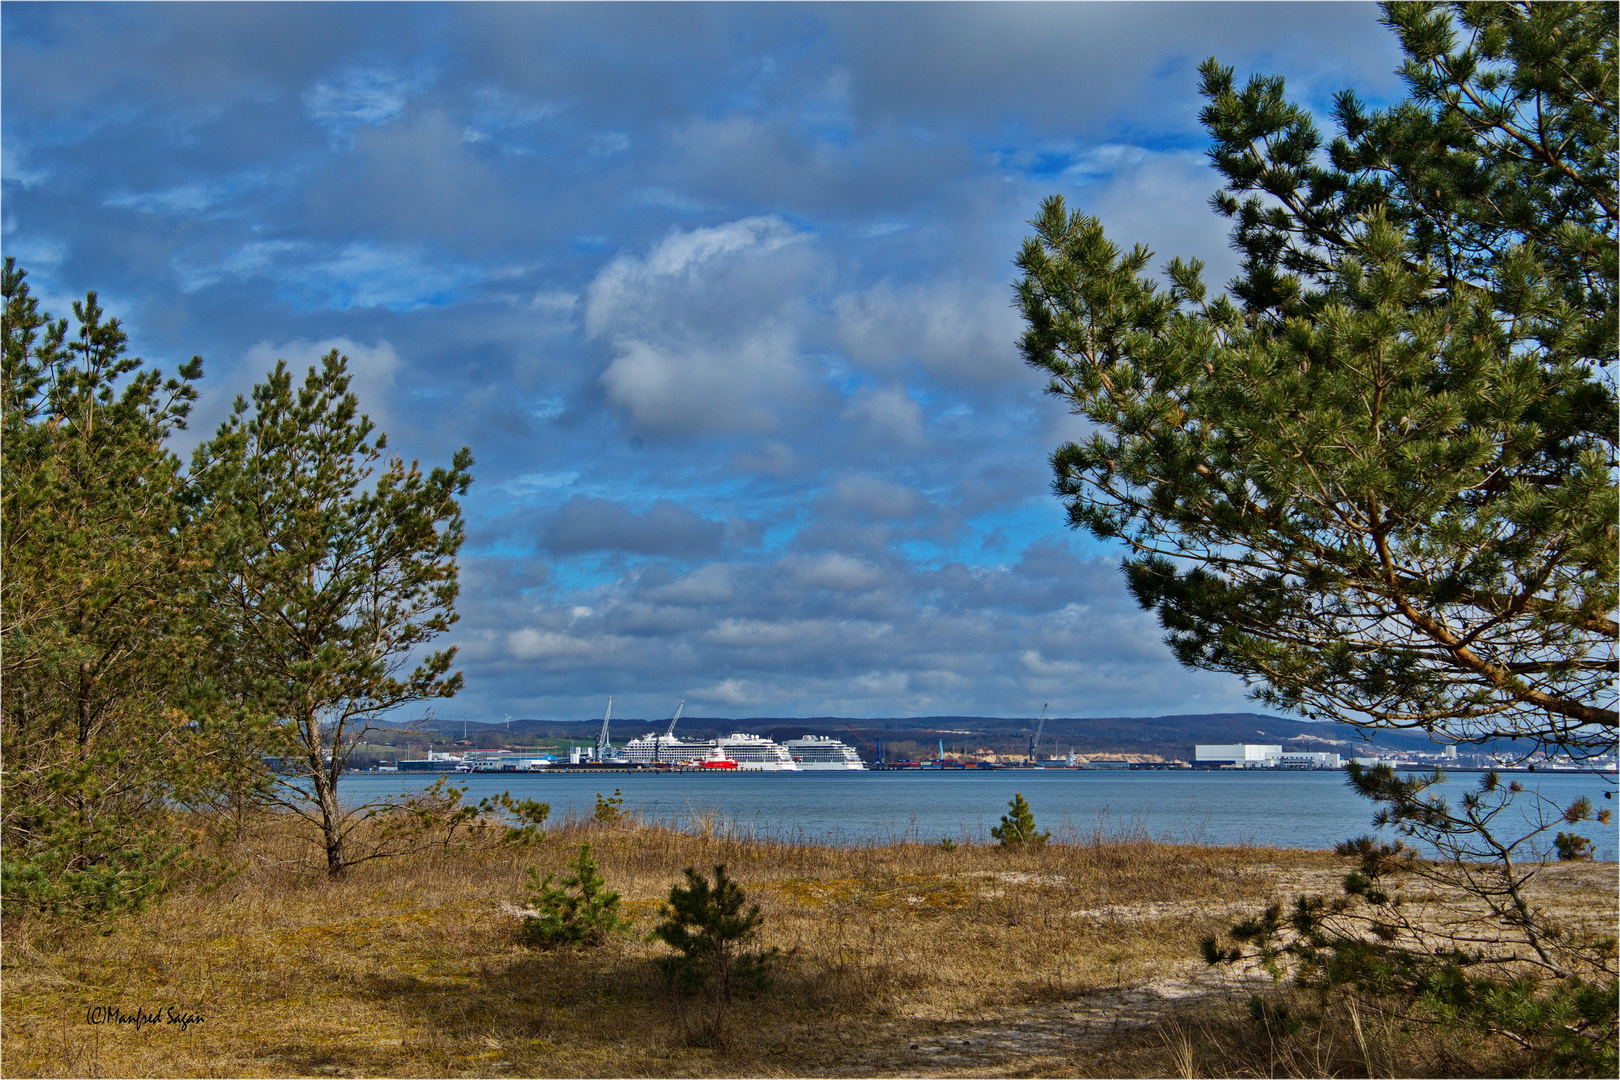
[1309, 760]
[1242, 755]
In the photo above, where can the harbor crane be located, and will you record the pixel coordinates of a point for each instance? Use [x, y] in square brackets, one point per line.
[1035, 739]
[604, 747]
[877, 751]
[669, 732]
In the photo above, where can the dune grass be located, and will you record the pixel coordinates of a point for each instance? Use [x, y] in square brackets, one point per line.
[896, 959]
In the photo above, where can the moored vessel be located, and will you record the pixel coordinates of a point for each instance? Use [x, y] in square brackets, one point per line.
[753, 753]
[818, 752]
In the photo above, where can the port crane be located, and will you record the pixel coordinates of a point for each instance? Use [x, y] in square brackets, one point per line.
[1035, 739]
[669, 732]
[877, 751]
[604, 747]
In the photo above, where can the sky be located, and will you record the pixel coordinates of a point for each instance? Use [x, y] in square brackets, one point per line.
[718, 295]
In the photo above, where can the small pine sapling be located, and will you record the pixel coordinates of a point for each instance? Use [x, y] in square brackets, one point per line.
[710, 928]
[581, 910]
[1017, 828]
[609, 809]
[1573, 848]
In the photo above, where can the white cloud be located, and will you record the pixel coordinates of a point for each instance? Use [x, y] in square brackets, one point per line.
[531, 644]
[188, 198]
[873, 497]
[841, 573]
[734, 692]
[1162, 200]
[376, 275]
[950, 329]
[886, 415]
[770, 457]
[15, 165]
[705, 328]
[36, 251]
[702, 262]
[373, 373]
[711, 584]
[363, 96]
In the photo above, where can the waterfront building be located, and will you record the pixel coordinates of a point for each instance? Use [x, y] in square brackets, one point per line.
[1297, 759]
[1239, 755]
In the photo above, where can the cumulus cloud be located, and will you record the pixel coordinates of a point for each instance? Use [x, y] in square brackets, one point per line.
[373, 373]
[886, 414]
[836, 633]
[711, 584]
[705, 327]
[372, 368]
[1076, 66]
[948, 328]
[841, 573]
[876, 499]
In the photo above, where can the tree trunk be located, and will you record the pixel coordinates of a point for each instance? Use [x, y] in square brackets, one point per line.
[331, 818]
[331, 833]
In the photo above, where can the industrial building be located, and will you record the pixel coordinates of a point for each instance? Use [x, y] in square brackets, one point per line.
[1299, 759]
[1237, 755]
[1259, 756]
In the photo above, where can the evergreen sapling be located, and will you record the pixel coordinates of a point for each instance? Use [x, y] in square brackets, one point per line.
[1017, 829]
[581, 910]
[710, 929]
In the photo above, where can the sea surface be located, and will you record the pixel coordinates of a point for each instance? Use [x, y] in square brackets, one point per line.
[1259, 808]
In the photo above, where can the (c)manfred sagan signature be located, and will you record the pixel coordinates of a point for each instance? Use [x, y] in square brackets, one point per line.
[113, 1014]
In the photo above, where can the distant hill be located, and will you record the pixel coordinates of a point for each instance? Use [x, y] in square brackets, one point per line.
[1168, 736]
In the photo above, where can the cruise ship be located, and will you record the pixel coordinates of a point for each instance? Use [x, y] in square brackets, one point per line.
[655, 749]
[750, 752]
[756, 752]
[820, 752]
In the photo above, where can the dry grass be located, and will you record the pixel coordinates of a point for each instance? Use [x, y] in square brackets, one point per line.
[901, 959]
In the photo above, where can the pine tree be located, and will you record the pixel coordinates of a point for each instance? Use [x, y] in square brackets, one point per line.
[710, 929]
[113, 706]
[1017, 829]
[1377, 479]
[580, 910]
[337, 566]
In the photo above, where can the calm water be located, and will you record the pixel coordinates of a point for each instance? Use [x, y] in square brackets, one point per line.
[1274, 809]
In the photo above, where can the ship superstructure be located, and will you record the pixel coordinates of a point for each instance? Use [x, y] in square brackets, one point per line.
[814, 752]
[756, 752]
[751, 752]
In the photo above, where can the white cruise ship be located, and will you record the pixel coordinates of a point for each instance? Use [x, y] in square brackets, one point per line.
[750, 752]
[666, 749]
[820, 752]
[756, 752]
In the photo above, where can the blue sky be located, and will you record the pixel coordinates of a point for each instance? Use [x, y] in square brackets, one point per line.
[719, 295]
